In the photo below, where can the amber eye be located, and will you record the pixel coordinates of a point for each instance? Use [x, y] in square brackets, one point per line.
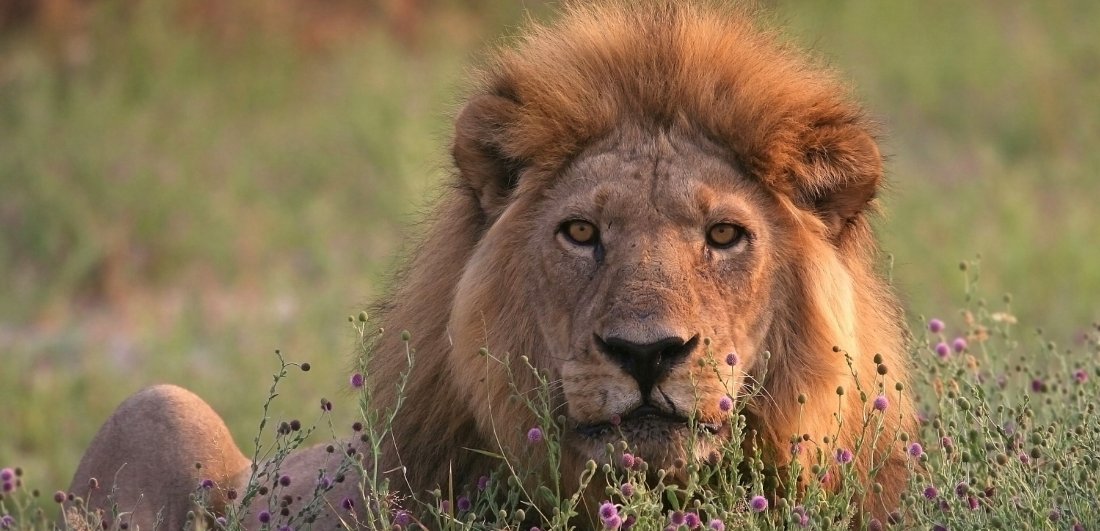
[579, 232]
[723, 235]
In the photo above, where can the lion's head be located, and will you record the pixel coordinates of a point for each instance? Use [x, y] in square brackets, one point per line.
[649, 197]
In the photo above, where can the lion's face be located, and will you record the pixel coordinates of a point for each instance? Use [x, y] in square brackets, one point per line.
[654, 257]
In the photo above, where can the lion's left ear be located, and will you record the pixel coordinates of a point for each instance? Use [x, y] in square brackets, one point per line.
[840, 175]
[479, 150]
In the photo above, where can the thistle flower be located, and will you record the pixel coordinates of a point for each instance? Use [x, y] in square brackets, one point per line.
[482, 483]
[464, 503]
[692, 521]
[59, 497]
[1080, 376]
[608, 511]
[207, 484]
[758, 503]
[6, 474]
[347, 503]
[930, 493]
[725, 404]
[959, 344]
[942, 350]
[881, 403]
[676, 518]
[264, 517]
[935, 326]
[731, 359]
[916, 450]
[402, 518]
[843, 456]
[717, 525]
[534, 435]
[284, 480]
[627, 460]
[357, 380]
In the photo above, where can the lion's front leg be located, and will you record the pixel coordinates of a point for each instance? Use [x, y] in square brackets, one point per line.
[155, 450]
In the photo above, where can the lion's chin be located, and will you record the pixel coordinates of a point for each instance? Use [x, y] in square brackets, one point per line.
[660, 440]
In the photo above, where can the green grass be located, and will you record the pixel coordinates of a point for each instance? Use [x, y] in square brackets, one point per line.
[174, 207]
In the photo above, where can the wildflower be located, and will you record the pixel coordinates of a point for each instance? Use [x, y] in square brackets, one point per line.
[939, 527]
[1080, 376]
[972, 502]
[717, 525]
[264, 517]
[6, 474]
[609, 515]
[284, 480]
[402, 518]
[464, 503]
[799, 512]
[731, 359]
[1038, 386]
[959, 344]
[8, 486]
[930, 493]
[347, 503]
[7, 521]
[843, 456]
[874, 525]
[325, 483]
[961, 489]
[916, 450]
[207, 484]
[357, 380]
[758, 503]
[221, 521]
[692, 521]
[942, 350]
[725, 404]
[445, 506]
[627, 460]
[59, 497]
[629, 522]
[881, 403]
[935, 326]
[534, 435]
[627, 489]
[947, 443]
[482, 483]
[676, 518]
[326, 405]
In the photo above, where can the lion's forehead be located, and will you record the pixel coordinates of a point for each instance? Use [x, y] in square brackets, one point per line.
[647, 178]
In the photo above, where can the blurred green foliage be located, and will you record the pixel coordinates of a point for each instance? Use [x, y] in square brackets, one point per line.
[178, 198]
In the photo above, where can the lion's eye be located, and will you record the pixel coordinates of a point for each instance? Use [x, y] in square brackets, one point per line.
[723, 235]
[579, 232]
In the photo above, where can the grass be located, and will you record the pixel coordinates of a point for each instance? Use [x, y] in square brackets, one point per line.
[177, 204]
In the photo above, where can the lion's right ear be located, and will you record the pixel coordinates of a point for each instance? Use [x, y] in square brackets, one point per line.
[479, 151]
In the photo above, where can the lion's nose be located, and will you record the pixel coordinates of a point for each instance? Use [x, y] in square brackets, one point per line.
[647, 363]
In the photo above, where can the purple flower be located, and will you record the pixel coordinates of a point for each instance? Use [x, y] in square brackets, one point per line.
[7, 521]
[59, 497]
[347, 503]
[758, 503]
[534, 435]
[959, 344]
[676, 518]
[608, 512]
[402, 518]
[942, 350]
[731, 359]
[1038, 386]
[627, 489]
[717, 525]
[6, 474]
[284, 480]
[930, 493]
[615, 522]
[725, 404]
[629, 522]
[947, 443]
[357, 380]
[935, 326]
[961, 489]
[972, 502]
[464, 503]
[627, 460]
[916, 450]
[264, 517]
[221, 521]
[881, 403]
[207, 484]
[445, 506]
[692, 521]
[1080, 376]
[482, 483]
[8, 486]
[939, 527]
[875, 525]
[843, 456]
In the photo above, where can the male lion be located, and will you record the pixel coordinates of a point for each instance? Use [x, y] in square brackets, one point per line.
[642, 190]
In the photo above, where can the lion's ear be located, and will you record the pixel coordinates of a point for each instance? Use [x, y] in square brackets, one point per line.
[479, 151]
[841, 175]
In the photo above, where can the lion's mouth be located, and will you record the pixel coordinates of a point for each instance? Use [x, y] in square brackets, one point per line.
[646, 417]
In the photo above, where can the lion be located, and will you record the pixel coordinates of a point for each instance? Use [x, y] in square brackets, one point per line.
[660, 205]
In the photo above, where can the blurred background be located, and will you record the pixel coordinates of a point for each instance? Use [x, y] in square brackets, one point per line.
[188, 185]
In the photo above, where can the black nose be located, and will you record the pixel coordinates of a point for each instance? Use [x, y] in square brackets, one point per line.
[648, 363]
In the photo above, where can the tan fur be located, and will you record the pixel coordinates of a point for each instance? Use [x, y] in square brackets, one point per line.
[653, 120]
